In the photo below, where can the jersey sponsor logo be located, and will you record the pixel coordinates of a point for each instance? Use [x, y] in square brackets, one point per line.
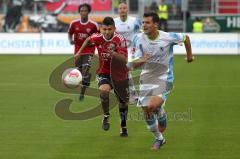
[105, 56]
[82, 35]
[107, 48]
[88, 30]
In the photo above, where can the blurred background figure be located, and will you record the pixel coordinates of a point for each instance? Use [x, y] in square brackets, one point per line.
[115, 4]
[176, 15]
[163, 15]
[197, 25]
[154, 7]
[13, 15]
[210, 25]
[48, 21]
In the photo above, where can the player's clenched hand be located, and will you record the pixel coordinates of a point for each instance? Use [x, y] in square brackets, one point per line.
[72, 42]
[189, 59]
[146, 57]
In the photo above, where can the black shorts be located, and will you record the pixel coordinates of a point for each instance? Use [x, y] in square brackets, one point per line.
[84, 61]
[121, 88]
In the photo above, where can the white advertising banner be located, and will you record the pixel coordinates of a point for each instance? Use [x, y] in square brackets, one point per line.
[35, 43]
[24, 43]
[212, 43]
[57, 43]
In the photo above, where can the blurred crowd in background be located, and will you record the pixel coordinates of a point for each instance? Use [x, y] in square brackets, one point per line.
[55, 15]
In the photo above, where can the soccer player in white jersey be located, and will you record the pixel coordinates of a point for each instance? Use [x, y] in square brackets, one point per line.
[128, 26]
[156, 79]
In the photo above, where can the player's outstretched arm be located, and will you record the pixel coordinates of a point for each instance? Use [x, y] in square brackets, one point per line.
[188, 48]
[139, 62]
[84, 45]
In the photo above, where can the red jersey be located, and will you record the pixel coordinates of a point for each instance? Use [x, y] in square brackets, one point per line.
[108, 65]
[81, 32]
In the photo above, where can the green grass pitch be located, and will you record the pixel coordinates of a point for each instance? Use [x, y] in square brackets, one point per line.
[206, 93]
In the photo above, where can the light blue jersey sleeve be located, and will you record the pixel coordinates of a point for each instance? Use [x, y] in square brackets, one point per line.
[136, 50]
[137, 25]
[177, 38]
[137, 46]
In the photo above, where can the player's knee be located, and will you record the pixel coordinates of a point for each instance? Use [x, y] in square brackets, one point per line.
[153, 107]
[123, 105]
[104, 96]
[104, 89]
[155, 103]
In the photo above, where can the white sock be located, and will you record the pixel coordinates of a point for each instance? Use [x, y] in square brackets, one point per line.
[153, 127]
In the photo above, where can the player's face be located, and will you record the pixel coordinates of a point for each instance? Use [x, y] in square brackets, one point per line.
[122, 9]
[149, 26]
[84, 12]
[107, 31]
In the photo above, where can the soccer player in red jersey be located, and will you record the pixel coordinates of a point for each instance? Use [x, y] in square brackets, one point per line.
[78, 31]
[112, 71]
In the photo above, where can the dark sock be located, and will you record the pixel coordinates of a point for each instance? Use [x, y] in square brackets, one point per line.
[123, 116]
[85, 84]
[83, 90]
[105, 103]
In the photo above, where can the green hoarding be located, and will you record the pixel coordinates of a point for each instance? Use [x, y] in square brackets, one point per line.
[217, 23]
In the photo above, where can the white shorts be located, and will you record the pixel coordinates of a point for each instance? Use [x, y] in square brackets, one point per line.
[146, 91]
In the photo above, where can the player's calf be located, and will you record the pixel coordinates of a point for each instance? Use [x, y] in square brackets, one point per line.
[162, 121]
[104, 97]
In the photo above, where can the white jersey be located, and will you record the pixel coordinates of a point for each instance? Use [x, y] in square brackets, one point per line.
[127, 29]
[160, 65]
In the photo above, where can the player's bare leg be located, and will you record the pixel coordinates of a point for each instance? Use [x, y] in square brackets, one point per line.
[150, 114]
[156, 105]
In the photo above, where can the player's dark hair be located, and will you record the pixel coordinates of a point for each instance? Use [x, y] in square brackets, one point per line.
[108, 21]
[85, 5]
[123, 1]
[154, 16]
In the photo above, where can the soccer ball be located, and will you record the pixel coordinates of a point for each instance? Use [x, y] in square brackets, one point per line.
[72, 78]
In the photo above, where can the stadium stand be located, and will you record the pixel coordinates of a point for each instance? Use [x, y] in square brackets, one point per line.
[228, 7]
